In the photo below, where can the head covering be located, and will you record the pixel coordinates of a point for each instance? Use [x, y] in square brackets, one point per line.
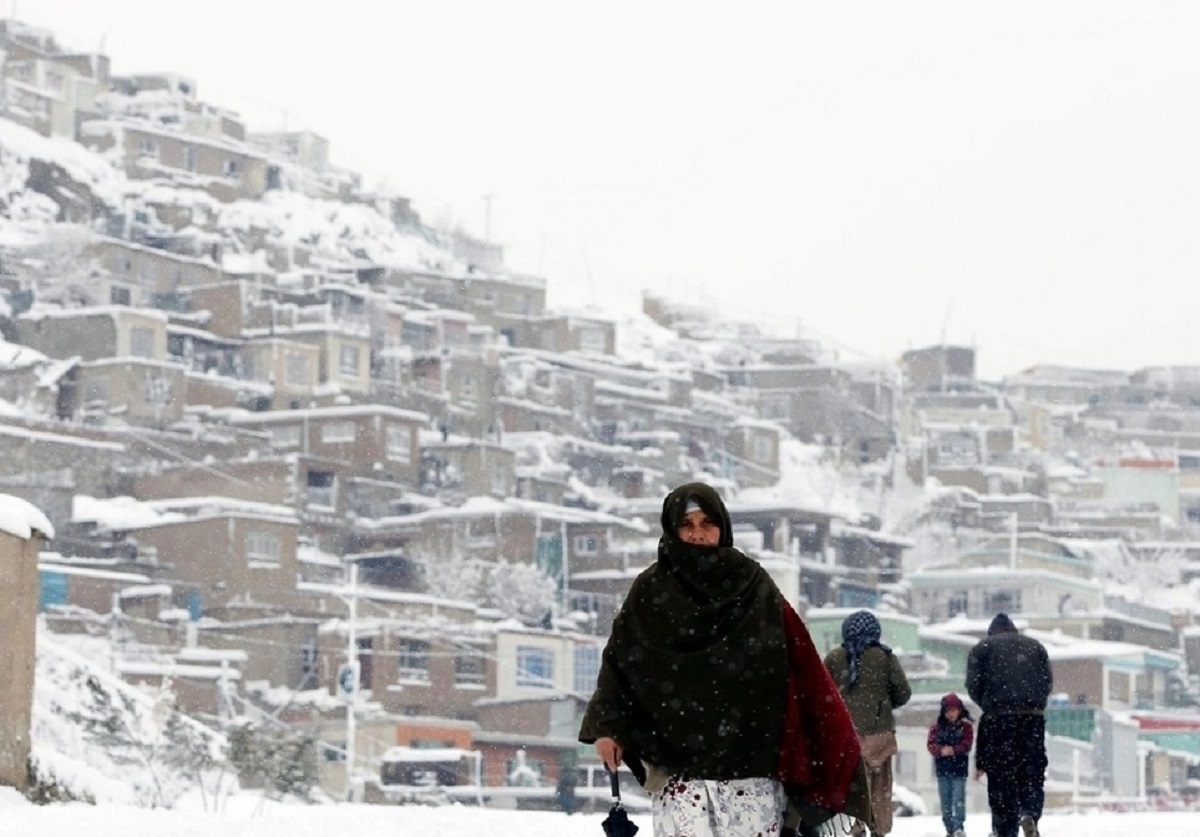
[690, 497]
[859, 632]
[1002, 625]
[701, 621]
[953, 701]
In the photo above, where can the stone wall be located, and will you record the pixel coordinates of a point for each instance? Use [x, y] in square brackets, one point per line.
[18, 623]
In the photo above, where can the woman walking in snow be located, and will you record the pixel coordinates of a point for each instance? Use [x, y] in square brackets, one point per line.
[949, 742]
[713, 693]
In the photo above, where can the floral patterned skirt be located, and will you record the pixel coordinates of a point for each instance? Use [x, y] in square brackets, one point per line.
[730, 808]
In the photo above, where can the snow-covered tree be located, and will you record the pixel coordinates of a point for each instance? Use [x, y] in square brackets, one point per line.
[520, 591]
[452, 575]
[62, 267]
[168, 752]
[281, 761]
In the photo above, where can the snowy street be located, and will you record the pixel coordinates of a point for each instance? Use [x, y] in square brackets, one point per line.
[246, 818]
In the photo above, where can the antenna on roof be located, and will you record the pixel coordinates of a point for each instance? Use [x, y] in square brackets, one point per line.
[587, 268]
[945, 321]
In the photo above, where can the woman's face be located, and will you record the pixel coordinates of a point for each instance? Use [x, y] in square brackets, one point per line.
[699, 529]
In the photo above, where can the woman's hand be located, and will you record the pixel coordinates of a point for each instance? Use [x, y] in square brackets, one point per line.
[609, 752]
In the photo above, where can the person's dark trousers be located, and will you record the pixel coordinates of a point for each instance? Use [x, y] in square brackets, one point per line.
[952, 791]
[1012, 750]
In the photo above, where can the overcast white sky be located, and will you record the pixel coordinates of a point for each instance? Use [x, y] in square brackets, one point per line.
[1023, 177]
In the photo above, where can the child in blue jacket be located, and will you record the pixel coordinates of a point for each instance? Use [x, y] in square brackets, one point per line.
[949, 743]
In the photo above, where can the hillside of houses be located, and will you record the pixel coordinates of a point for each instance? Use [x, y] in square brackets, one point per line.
[308, 456]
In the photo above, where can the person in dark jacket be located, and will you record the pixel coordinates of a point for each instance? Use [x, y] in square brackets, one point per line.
[872, 683]
[949, 742]
[712, 691]
[1009, 678]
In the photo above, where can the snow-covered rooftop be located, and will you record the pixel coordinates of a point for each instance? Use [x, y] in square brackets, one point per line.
[22, 519]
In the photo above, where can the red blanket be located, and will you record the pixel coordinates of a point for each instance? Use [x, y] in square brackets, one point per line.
[820, 751]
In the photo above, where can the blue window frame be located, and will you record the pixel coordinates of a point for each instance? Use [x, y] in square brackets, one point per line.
[535, 667]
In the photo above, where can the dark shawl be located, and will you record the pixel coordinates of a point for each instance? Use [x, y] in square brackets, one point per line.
[693, 678]
[710, 674]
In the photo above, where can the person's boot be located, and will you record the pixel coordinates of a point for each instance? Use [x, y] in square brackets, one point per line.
[1029, 826]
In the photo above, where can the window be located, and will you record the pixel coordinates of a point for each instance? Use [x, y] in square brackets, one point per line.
[469, 669]
[762, 449]
[1002, 601]
[535, 667]
[189, 158]
[399, 442]
[141, 341]
[322, 489]
[348, 361]
[956, 451]
[338, 431]
[232, 169]
[591, 340]
[466, 387]
[95, 391]
[147, 148]
[413, 662]
[499, 479]
[366, 662]
[262, 549]
[1118, 686]
[310, 660]
[296, 369]
[120, 295]
[587, 668]
[956, 603]
[286, 436]
[481, 535]
[524, 772]
[157, 390]
[586, 544]
[830, 640]
[776, 406]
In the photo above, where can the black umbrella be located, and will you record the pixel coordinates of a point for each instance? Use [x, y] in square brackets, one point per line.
[617, 823]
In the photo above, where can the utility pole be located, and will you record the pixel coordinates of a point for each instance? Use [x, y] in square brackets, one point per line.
[487, 218]
[1012, 541]
[351, 688]
[565, 594]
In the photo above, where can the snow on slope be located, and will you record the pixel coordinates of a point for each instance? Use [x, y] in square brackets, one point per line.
[98, 737]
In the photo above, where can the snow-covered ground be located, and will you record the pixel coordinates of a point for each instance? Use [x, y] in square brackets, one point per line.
[249, 816]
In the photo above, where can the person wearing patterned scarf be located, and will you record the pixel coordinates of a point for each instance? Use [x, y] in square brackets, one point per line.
[859, 632]
[873, 684]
